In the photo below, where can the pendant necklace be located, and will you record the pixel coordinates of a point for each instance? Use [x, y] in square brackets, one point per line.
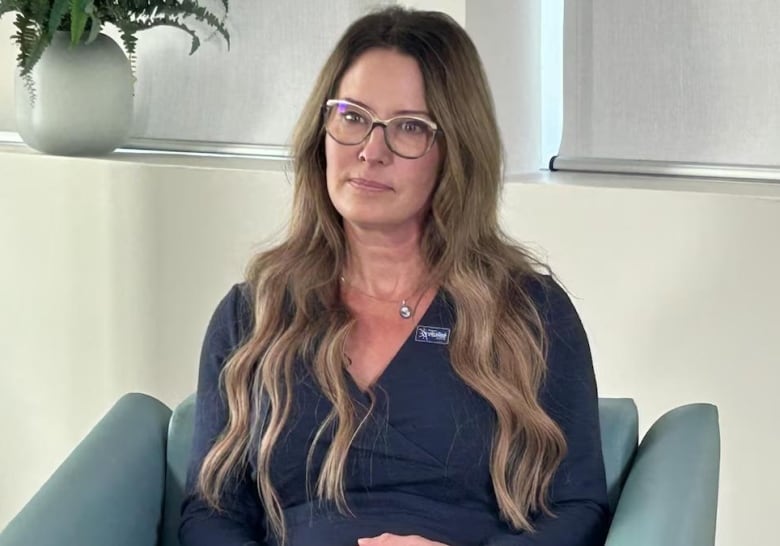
[405, 311]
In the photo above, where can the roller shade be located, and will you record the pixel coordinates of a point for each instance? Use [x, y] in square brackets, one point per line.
[672, 87]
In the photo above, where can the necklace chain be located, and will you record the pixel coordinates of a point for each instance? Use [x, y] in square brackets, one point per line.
[405, 311]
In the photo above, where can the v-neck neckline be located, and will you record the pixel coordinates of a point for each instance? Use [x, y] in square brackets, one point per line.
[393, 362]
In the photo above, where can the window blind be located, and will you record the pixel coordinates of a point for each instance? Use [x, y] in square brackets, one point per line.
[672, 87]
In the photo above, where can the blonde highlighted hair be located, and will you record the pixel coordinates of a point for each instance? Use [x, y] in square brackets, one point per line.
[498, 343]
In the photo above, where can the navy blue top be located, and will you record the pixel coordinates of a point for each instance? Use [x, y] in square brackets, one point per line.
[421, 465]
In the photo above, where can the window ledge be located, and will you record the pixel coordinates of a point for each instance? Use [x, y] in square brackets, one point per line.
[163, 159]
[714, 186]
[755, 189]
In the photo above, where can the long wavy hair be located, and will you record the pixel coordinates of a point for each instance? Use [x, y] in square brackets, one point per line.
[498, 343]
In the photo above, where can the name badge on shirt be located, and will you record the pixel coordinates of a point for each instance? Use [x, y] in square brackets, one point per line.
[432, 334]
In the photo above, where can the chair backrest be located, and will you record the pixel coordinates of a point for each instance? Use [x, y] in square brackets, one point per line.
[619, 434]
[178, 454]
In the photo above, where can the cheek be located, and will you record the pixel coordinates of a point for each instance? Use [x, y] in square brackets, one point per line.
[331, 162]
[329, 149]
[335, 152]
[337, 158]
[430, 170]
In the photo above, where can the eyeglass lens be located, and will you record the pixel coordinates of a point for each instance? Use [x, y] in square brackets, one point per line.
[350, 124]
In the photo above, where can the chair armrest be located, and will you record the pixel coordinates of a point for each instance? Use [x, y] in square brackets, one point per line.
[110, 488]
[671, 494]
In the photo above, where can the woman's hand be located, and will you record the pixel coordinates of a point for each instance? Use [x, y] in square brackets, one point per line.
[388, 539]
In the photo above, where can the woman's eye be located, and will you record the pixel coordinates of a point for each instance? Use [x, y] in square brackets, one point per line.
[353, 117]
[412, 126]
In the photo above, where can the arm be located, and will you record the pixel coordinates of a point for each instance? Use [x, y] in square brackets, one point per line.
[579, 492]
[110, 488]
[241, 521]
[671, 495]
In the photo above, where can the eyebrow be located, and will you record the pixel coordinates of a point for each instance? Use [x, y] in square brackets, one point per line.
[396, 113]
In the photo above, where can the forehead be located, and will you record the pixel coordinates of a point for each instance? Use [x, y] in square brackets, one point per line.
[386, 81]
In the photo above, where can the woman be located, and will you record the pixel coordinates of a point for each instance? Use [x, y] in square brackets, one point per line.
[396, 372]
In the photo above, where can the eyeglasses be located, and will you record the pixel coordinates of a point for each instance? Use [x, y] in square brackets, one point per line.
[410, 137]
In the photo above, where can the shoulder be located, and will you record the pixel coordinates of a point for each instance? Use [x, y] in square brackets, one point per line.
[566, 341]
[233, 318]
[550, 299]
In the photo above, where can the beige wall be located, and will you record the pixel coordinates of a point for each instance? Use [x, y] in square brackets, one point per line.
[111, 268]
[680, 294]
[109, 273]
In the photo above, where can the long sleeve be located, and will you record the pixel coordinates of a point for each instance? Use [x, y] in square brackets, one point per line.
[241, 521]
[579, 493]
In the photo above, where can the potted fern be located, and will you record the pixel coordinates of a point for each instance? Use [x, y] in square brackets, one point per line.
[74, 91]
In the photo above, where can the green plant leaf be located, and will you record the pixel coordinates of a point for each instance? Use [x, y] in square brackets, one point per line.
[38, 20]
[78, 19]
[32, 42]
[167, 22]
[7, 6]
[95, 24]
[39, 11]
[94, 29]
[58, 10]
[191, 8]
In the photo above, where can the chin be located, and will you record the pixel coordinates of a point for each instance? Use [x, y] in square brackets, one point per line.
[383, 223]
[367, 221]
[357, 212]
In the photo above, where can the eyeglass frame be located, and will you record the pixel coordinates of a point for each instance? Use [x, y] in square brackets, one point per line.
[378, 122]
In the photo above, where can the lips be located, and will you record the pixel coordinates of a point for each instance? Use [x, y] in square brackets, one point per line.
[366, 184]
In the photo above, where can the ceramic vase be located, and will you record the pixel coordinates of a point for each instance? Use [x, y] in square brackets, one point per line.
[81, 101]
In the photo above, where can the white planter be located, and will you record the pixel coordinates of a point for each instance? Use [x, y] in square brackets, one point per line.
[83, 101]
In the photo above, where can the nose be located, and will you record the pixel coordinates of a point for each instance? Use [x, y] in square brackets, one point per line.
[375, 148]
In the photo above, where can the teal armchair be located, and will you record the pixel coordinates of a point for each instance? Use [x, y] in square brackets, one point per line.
[123, 484]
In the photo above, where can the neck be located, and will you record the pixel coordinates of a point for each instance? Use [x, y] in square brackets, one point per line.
[388, 266]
